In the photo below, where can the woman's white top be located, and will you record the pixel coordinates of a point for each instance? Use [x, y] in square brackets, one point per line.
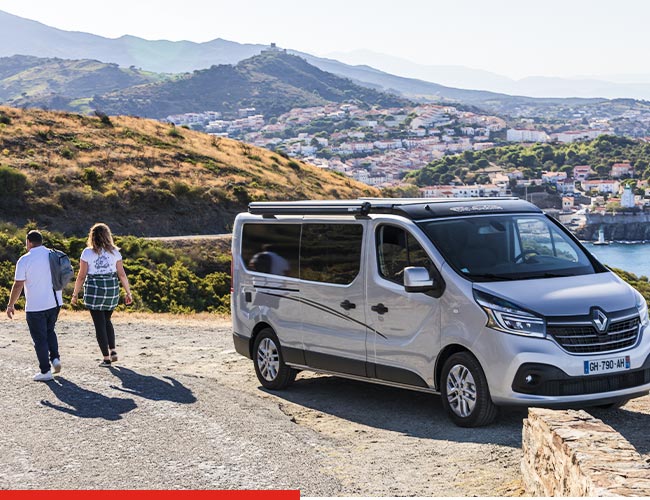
[101, 263]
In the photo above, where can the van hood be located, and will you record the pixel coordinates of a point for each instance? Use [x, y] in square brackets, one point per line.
[567, 296]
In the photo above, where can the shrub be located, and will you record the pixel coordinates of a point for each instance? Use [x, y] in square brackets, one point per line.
[4, 119]
[12, 182]
[67, 153]
[174, 132]
[92, 178]
[103, 118]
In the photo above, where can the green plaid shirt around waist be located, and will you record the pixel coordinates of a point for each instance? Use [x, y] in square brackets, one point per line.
[101, 291]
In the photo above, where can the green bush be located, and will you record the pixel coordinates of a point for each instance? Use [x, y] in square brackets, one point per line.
[12, 182]
[162, 279]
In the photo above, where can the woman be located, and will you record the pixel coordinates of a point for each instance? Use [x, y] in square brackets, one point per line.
[100, 267]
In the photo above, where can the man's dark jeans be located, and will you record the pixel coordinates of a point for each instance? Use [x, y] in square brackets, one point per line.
[41, 327]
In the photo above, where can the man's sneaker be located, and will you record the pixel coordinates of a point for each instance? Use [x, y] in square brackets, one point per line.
[43, 377]
[56, 365]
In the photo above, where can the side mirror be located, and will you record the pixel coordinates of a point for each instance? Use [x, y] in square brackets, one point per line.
[417, 280]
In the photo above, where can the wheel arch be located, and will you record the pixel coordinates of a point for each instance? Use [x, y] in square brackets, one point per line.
[256, 330]
[444, 355]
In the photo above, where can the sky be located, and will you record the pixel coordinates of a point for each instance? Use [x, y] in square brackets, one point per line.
[515, 38]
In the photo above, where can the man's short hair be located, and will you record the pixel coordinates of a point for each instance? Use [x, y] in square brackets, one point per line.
[35, 236]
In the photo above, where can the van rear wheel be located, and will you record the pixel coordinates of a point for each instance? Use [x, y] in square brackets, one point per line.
[465, 392]
[270, 368]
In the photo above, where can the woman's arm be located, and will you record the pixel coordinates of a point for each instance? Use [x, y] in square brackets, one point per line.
[81, 276]
[121, 274]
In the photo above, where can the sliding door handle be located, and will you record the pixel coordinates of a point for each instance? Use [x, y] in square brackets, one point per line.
[379, 308]
[347, 305]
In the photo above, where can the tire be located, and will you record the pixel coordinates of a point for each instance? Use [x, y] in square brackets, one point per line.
[465, 392]
[270, 368]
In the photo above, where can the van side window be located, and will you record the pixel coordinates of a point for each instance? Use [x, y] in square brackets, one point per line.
[397, 249]
[271, 248]
[331, 253]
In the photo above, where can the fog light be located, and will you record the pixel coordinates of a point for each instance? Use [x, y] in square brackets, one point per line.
[530, 379]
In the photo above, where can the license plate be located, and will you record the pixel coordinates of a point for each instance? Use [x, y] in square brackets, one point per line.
[607, 365]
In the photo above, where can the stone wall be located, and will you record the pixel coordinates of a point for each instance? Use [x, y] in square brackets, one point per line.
[616, 226]
[571, 453]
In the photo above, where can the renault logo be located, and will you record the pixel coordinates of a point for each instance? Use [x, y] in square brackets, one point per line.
[599, 320]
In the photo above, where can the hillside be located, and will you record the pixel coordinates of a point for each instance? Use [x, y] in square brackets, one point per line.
[66, 171]
[272, 82]
[44, 82]
[599, 153]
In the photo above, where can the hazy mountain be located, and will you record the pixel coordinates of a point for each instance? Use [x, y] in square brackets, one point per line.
[273, 82]
[447, 75]
[23, 36]
[618, 86]
[53, 82]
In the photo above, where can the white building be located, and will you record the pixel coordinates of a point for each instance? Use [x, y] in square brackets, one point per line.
[627, 198]
[526, 135]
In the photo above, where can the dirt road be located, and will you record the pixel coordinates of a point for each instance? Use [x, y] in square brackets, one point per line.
[182, 410]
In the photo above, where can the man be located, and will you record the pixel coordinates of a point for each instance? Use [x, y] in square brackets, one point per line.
[42, 304]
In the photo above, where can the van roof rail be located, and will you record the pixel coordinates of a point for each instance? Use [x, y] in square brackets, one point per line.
[414, 208]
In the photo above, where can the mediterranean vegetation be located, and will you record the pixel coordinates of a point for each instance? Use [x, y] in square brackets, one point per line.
[469, 166]
[163, 278]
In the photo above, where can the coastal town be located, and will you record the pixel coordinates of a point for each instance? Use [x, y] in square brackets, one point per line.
[380, 146]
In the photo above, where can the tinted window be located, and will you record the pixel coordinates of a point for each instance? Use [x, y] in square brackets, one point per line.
[397, 249]
[271, 248]
[330, 253]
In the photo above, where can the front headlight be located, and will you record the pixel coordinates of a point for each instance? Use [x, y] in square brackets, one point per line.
[642, 306]
[510, 318]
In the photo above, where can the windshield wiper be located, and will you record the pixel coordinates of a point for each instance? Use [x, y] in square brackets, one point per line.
[546, 275]
[488, 276]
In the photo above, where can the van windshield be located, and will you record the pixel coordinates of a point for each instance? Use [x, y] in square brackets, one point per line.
[507, 247]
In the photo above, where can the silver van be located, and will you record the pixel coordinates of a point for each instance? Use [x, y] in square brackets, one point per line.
[487, 302]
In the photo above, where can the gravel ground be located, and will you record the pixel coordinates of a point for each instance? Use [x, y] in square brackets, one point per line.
[182, 410]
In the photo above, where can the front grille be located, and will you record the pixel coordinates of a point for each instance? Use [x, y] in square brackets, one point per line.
[584, 339]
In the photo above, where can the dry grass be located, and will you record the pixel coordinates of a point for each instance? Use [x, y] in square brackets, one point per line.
[56, 150]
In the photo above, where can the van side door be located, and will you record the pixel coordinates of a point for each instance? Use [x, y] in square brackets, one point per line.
[405, 326]
[332, 278]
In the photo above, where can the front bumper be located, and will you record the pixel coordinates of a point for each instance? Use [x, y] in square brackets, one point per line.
[546, 380]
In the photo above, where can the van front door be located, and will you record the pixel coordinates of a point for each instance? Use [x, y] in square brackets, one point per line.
[405, 326]
[332, 296]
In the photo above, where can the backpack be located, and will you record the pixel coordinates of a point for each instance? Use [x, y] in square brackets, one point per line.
[61, 269]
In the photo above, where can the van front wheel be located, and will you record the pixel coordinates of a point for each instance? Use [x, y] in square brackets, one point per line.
[270, 368]
[465, 392]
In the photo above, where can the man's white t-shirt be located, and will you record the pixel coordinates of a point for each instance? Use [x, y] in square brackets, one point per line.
[34, 269]
[101, 263]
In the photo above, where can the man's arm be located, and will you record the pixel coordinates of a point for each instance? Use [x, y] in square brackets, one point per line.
[13, 297]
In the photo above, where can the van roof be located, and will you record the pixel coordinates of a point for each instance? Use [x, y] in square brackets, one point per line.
[412, 208]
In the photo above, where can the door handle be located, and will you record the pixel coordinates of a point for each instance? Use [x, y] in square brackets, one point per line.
[347, 305]
[379, 308]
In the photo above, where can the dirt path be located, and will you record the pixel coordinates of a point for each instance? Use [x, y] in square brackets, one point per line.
[183, 410]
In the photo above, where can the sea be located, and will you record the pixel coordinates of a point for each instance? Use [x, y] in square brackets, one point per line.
[631, 257]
